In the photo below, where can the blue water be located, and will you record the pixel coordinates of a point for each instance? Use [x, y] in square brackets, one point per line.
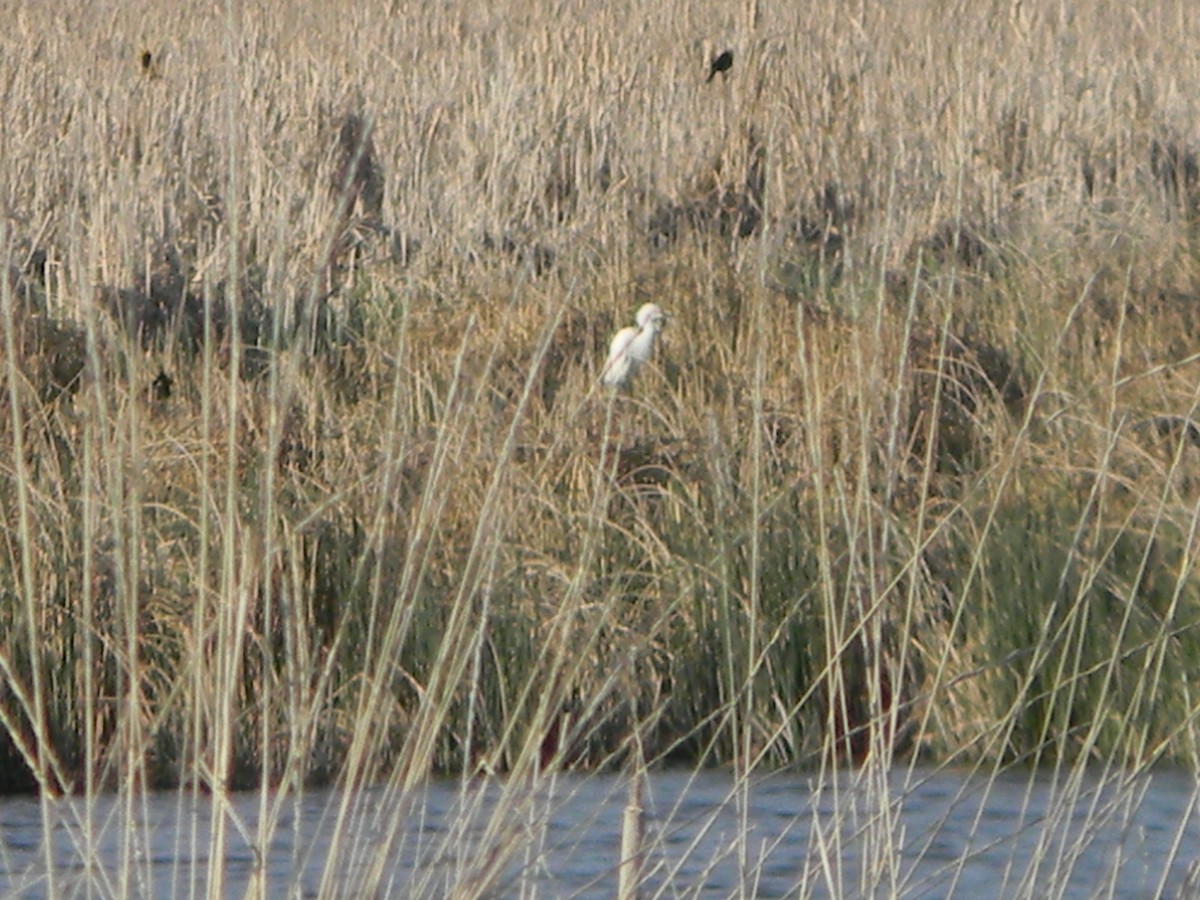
[857, 834]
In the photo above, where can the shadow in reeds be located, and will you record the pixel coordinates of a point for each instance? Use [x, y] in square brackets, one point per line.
[170, 314]
[812, 259]
[15, 775]
[530, 255]
[50, 353]
[1175, 168]
[955, 379]
[1171, 160]
[357, 189]
[717, 204]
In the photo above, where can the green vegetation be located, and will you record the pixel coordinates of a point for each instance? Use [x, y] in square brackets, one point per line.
[305, 473]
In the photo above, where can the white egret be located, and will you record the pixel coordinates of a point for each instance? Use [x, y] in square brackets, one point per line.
[632, 347]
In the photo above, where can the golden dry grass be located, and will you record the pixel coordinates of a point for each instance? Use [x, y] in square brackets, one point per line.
[897, 483]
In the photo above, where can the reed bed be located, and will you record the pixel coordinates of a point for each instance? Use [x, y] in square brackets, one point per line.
[305, 473]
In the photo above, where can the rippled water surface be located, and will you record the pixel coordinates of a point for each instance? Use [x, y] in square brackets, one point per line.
[918, 834]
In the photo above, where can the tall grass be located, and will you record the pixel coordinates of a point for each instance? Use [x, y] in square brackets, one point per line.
[305, 475]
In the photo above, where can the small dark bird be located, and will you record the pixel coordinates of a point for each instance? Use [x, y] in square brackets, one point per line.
[149, 66]
[722, 64]
[161, 388]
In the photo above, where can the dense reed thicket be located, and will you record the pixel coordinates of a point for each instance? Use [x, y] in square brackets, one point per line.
[305, 473]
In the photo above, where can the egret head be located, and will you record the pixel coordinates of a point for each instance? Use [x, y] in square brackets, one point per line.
[651, 316]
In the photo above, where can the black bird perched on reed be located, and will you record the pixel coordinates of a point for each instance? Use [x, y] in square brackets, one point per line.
[722, 63]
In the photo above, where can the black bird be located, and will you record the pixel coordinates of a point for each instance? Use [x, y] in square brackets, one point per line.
[149, 65]
[722, 63]
[161, 387]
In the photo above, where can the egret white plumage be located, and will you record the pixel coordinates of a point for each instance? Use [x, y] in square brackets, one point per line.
[632, 347]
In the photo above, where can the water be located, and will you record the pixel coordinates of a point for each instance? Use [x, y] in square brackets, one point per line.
[913, 834]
